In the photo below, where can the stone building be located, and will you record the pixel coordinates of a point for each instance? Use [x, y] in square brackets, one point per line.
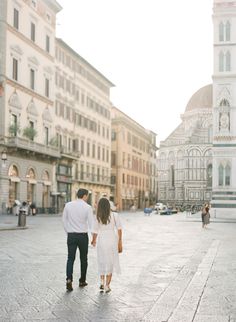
[224, 106]
[83, 125]
[185, 157]
[133, 162]
[27, 34]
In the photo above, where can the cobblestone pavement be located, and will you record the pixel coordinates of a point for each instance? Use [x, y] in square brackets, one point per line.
[172, 270]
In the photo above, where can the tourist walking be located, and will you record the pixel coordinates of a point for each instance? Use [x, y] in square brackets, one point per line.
[107, 232]
[77, 220]
[205, 215]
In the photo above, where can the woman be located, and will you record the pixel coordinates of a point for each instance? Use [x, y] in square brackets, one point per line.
[205, 215]
[104, 232]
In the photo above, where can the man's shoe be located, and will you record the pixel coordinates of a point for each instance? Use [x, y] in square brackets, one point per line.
[69, 286]
[83, 284]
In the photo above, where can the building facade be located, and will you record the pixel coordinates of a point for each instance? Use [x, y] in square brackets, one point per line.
[185, 157]
[224, 105]
[27, 34]
[133, 163]
[83, 125]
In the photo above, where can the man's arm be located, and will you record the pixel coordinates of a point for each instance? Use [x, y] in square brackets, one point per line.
[64, 219]
[90, 218]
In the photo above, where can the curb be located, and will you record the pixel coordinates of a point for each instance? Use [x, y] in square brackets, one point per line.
[13, 228]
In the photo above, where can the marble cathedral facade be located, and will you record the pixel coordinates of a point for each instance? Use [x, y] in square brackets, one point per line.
[197, 162]
[185, 157]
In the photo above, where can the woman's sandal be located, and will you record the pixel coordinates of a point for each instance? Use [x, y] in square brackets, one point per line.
[107, 289]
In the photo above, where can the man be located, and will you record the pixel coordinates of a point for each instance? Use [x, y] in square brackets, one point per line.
[77, 219]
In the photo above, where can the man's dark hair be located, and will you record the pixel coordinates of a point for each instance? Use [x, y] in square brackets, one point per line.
[81, 193]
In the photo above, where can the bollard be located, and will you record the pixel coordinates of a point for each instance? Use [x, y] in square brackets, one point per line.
[22, 218]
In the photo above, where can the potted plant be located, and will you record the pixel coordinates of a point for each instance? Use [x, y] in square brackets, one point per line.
[14, 129]
[29, 132]
[54, 141]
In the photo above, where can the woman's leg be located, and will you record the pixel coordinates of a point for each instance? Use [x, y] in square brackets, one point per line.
[102, 277]
[108, 281]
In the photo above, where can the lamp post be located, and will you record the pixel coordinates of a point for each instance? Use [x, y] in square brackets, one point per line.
[4, 157]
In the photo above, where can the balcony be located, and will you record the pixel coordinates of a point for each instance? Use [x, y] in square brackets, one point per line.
[93, 179]
[29, 145]
[69, 153]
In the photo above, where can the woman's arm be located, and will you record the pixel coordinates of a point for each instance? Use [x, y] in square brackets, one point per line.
[93, 242]
[120, 234]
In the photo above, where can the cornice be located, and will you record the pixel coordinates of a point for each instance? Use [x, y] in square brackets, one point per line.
[29, 91]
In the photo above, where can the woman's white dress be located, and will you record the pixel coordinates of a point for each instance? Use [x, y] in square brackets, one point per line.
[107, 245]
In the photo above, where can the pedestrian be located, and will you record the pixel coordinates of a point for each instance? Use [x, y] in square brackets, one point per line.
[205, 215]
[33, 208]
[24, 208]
[108, 243]
[77, 220]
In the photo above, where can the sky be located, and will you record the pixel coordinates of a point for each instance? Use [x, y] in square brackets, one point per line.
[157, 53]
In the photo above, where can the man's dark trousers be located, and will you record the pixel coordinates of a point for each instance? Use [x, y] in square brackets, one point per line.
[75, 240]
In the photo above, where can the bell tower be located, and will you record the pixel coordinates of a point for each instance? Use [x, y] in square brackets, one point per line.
[224, 106]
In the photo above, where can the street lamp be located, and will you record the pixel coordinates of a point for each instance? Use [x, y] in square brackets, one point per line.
[4, 157]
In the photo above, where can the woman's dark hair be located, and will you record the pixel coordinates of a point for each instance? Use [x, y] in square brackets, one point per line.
[103, 211]
[82, 192]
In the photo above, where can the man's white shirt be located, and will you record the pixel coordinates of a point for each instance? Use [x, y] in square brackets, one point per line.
[77, 217]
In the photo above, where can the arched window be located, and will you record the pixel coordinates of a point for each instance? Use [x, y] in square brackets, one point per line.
[209, 175]
[224, 102]
[227, 175]
[228, 61]
[227, 31]
[210, 134]
[172, 176]
[221, 175]
[221, 62]
[221, 31]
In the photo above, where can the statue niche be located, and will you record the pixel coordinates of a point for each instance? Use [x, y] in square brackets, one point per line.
[224, 121]
[224, 115]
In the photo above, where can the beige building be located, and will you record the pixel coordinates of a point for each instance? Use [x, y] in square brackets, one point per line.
[133, 161]
[83, 125]
[27, 34]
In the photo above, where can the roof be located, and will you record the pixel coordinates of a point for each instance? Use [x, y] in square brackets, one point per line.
[201, 99]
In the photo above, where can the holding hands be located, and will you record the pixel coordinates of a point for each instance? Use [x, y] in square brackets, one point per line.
[93, 242]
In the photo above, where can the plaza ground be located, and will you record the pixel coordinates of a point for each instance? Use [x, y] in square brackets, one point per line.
[172, 270]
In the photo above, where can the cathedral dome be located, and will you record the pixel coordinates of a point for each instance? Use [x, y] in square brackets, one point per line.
[201, 99]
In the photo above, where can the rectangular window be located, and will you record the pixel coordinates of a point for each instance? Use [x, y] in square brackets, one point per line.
[32, 31]
[82, 147]
[93, 151]
[123, 178]
[47, 87]
[15, 69]
[46, 132]
[47, 43]
[113, 159]
[16, 19]
[88, 149]
[99, 153]
[14, 125]
[113, 135]
[81, 172]
[32, 78]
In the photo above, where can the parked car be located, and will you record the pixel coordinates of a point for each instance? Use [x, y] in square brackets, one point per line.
[159, 206]
[168, 211]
